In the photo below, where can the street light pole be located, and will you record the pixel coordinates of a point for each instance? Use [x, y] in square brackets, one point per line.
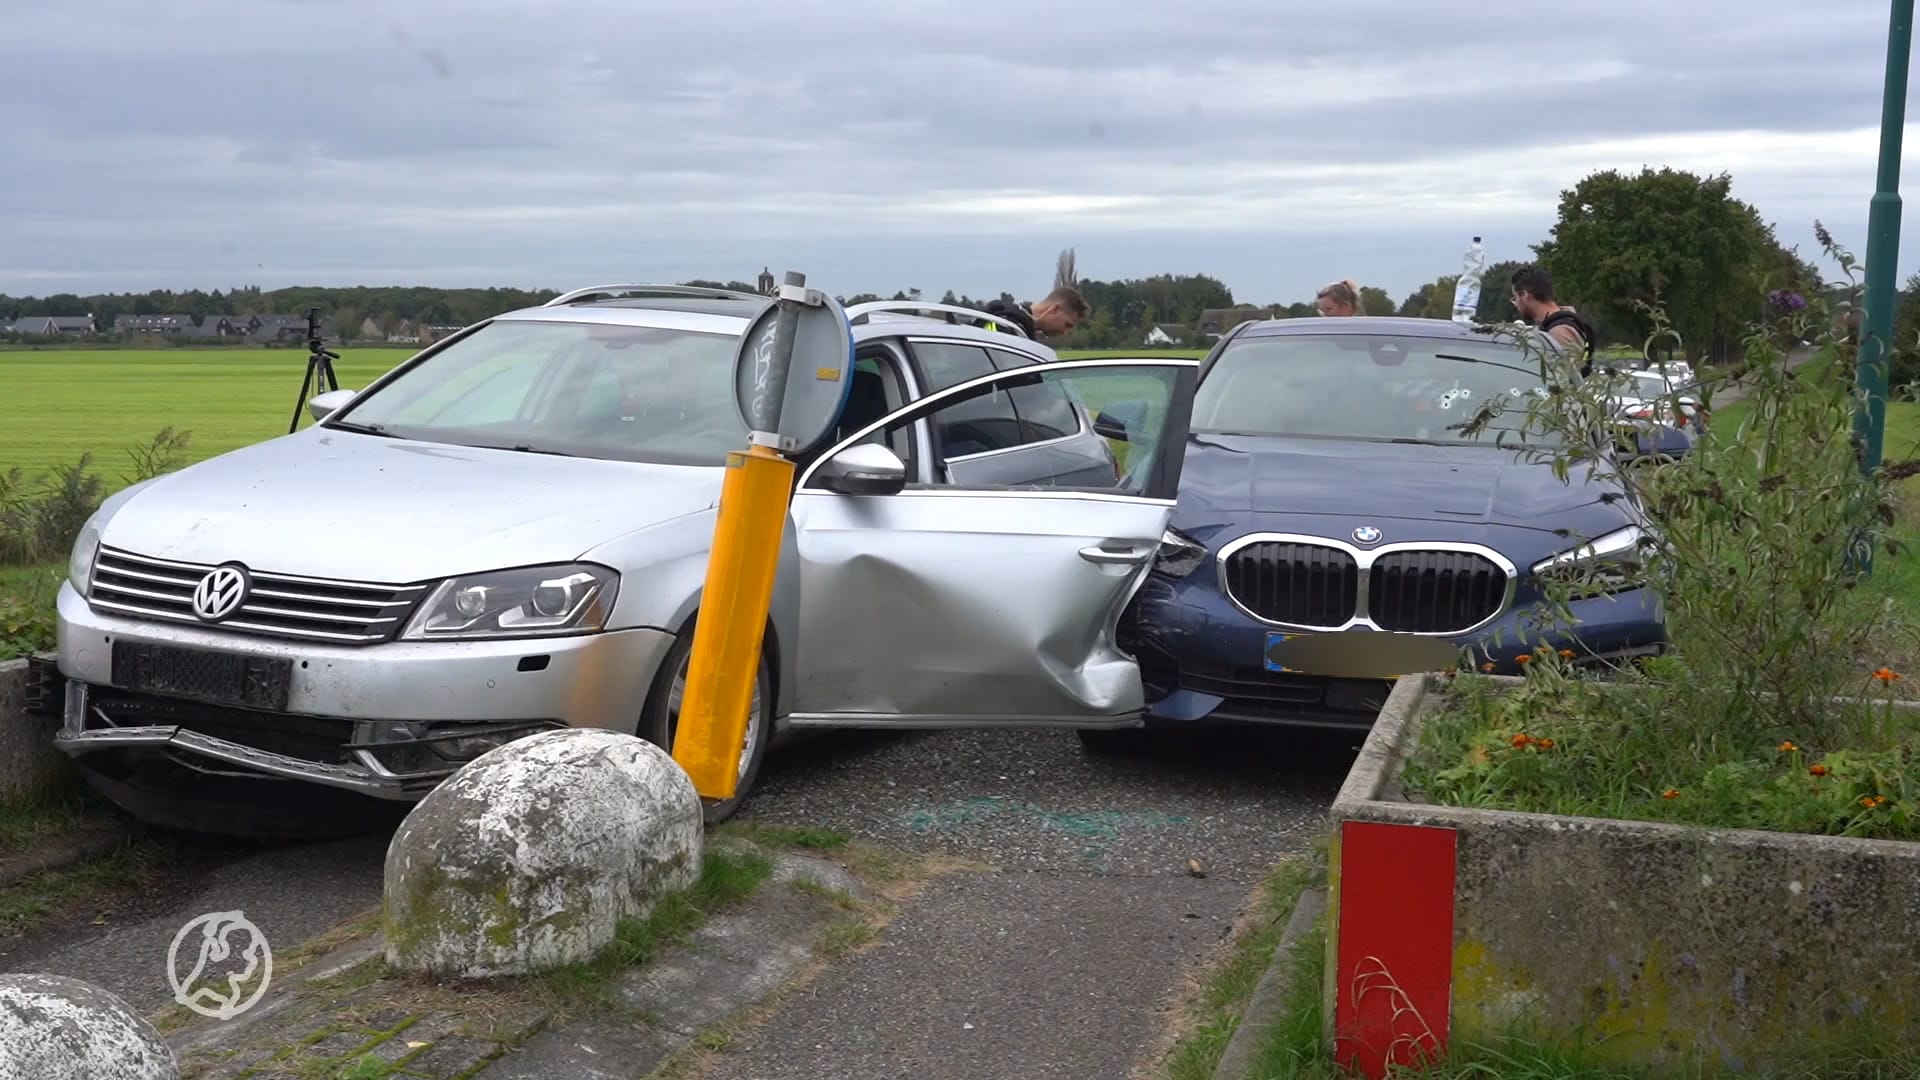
[1883, 244]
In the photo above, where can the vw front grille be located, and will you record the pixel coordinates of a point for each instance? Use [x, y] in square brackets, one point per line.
[277, 605]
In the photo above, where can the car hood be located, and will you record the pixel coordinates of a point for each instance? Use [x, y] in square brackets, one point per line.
[359, 507]
[1238, 475]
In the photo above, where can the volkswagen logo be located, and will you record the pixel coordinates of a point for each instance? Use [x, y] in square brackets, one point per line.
[221, 593]
[1366, 534]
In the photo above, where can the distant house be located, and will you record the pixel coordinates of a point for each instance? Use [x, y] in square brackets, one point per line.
[1163, 335]
[130, 325]
[54, 326]
[370, 330]
[1217, 321]
[277, 328]
[222, 326]
[431, 334]
[404, 332]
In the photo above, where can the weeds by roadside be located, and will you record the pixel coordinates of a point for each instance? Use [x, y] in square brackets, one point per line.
[1214, 1012]
[41, 518]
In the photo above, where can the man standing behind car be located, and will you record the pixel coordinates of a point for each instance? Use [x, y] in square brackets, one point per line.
[1533, 298]
[1053, 317]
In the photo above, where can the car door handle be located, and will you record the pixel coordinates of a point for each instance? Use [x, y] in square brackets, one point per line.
[1116, 555]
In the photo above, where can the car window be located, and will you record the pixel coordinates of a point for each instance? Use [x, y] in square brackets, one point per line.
[1090, 462]
[979, 425]
[1045, 410]
[627, 393]
[490, 392]
[876, 390]
[1370, 386]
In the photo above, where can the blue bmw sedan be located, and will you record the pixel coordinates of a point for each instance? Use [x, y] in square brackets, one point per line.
[1329, 489]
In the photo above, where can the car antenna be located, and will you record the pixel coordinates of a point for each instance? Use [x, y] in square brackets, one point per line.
[319, 369]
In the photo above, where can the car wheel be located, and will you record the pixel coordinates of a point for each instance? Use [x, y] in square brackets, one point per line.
[661, 721]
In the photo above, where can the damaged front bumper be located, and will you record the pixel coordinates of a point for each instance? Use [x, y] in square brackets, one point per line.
[400, 760]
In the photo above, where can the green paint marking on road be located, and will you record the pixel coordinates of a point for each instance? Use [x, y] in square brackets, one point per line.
[1100, 827]
[964, 812]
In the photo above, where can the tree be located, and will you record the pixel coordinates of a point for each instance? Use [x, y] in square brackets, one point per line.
[1496, 293]
[1375, 301]
[1669, 235]
[1434, 300]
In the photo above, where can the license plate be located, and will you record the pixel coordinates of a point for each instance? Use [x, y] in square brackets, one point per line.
[1274, 640]
[1357, 654]
[217, 678]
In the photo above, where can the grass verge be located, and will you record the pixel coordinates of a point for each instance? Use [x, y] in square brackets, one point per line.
[1213, 1013]
[727, 877]
[26, 902]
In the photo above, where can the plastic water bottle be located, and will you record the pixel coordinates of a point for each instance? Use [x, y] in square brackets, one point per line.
[1466, 292]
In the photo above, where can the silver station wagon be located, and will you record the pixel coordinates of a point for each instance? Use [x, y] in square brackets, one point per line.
[509, 533]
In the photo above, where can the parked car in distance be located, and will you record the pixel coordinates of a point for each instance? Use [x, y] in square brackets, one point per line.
[1656, 397]
[508, 533]
[1328, 490]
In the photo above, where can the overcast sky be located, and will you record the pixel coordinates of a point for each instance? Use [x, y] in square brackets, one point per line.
[886, 144]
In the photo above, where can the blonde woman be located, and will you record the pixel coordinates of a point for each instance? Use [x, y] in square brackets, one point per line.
[1342, 298]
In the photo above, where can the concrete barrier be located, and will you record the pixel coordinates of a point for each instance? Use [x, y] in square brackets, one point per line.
[1667, 943]
[530, 856]
[29, 765]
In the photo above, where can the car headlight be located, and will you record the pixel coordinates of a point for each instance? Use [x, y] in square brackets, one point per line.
[535, 601]
[1613, 563]
[1179, 554]
[80, 558]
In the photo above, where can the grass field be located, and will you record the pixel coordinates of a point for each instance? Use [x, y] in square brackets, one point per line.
[56, 405]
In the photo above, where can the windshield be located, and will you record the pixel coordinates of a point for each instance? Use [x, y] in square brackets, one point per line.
[1369, 386]
[1648, 387]
[625, 393]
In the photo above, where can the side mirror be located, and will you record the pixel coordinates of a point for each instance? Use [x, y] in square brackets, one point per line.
[1119, 420]
[867, 469]
[325, 405]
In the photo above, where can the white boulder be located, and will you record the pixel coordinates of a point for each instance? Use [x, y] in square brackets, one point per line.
[528, 858]
[55, 1028]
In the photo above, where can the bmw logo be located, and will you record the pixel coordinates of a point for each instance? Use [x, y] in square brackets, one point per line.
[1366, 534]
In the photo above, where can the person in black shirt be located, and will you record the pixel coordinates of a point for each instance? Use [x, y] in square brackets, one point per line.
[1053, 317]
[1533, 298]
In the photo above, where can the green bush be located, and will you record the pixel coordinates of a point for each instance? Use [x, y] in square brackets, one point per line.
[1755, 547]
[39, 519]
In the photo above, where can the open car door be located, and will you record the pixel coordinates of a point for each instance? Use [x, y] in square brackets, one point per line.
[979, 579]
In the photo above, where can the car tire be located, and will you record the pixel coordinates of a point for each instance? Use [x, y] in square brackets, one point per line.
[658, 721]
[1110, 742]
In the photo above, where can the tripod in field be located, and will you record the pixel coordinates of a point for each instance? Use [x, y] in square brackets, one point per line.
[319, 369]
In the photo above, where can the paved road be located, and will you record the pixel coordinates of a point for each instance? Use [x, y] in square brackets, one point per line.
[1028, 803]
[1067, 959]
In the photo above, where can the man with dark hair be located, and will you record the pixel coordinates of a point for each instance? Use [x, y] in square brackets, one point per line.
[1053, 317]
[1533, 298]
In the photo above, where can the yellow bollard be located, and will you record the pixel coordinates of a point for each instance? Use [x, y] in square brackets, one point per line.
[751, 520]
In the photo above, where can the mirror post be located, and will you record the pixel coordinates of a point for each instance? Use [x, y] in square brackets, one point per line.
[751, 520]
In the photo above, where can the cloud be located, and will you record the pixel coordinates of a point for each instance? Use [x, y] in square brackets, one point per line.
[880, 145]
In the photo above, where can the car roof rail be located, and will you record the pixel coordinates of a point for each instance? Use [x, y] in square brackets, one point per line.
[611, 292]
[953, 313]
